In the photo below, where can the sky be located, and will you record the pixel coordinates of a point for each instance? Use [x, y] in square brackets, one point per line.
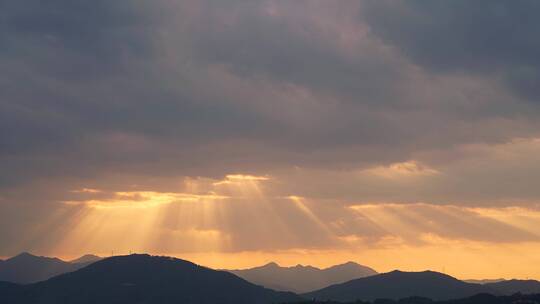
[397, 134]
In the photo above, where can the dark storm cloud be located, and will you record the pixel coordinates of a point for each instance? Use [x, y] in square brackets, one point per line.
[47, 46]
[488, 37]
[79, 75]
[72, 39]
[205, 88]
[288, 44]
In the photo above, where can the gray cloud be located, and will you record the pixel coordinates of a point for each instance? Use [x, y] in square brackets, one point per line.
[183, 88]
[489, 37]
[112, 94]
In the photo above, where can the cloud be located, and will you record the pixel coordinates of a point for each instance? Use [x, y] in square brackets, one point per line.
[153, 89]
[291, 112]
[402, 170]
[492, 38]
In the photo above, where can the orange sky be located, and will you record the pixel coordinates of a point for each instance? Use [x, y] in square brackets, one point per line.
[233, 223]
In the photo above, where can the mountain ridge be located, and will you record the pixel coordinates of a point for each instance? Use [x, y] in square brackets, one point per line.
[399, 284]
[145, 279]
[429, 284]
[515, 286]
[302, 278]
[484, 281]
[142, 278]
[87, 258]
[27, 268]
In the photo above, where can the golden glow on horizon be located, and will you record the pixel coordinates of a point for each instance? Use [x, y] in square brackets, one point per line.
[143, 220]
[223, 224]
[461, 259]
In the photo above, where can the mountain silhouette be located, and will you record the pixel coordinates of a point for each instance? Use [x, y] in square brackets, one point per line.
[9, 292]
[27, 268]
[482, 298]
[302, 278]
[397, 285]
[145, 279]
[151, 279]
[515, 286]
[86, 259]
[484, 281]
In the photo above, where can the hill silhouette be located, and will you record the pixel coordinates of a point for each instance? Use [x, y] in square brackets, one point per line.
[303, 278]
[483, 298]
[146, 279]
[9, 292]
[397, 285]
[484, 281]
[150, 279]
[515, 286]
[27, 268]
[427, 284]
[85, 259]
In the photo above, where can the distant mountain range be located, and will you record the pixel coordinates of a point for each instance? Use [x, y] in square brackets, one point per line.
[429, 284]
[483, 298]
[86, 259]
[150, 279]
[27, 268]
[301, 278]
[515, 286]
[484, 281]
[143, 279]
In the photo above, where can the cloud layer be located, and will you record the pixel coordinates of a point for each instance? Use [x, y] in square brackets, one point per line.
[376, 103]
